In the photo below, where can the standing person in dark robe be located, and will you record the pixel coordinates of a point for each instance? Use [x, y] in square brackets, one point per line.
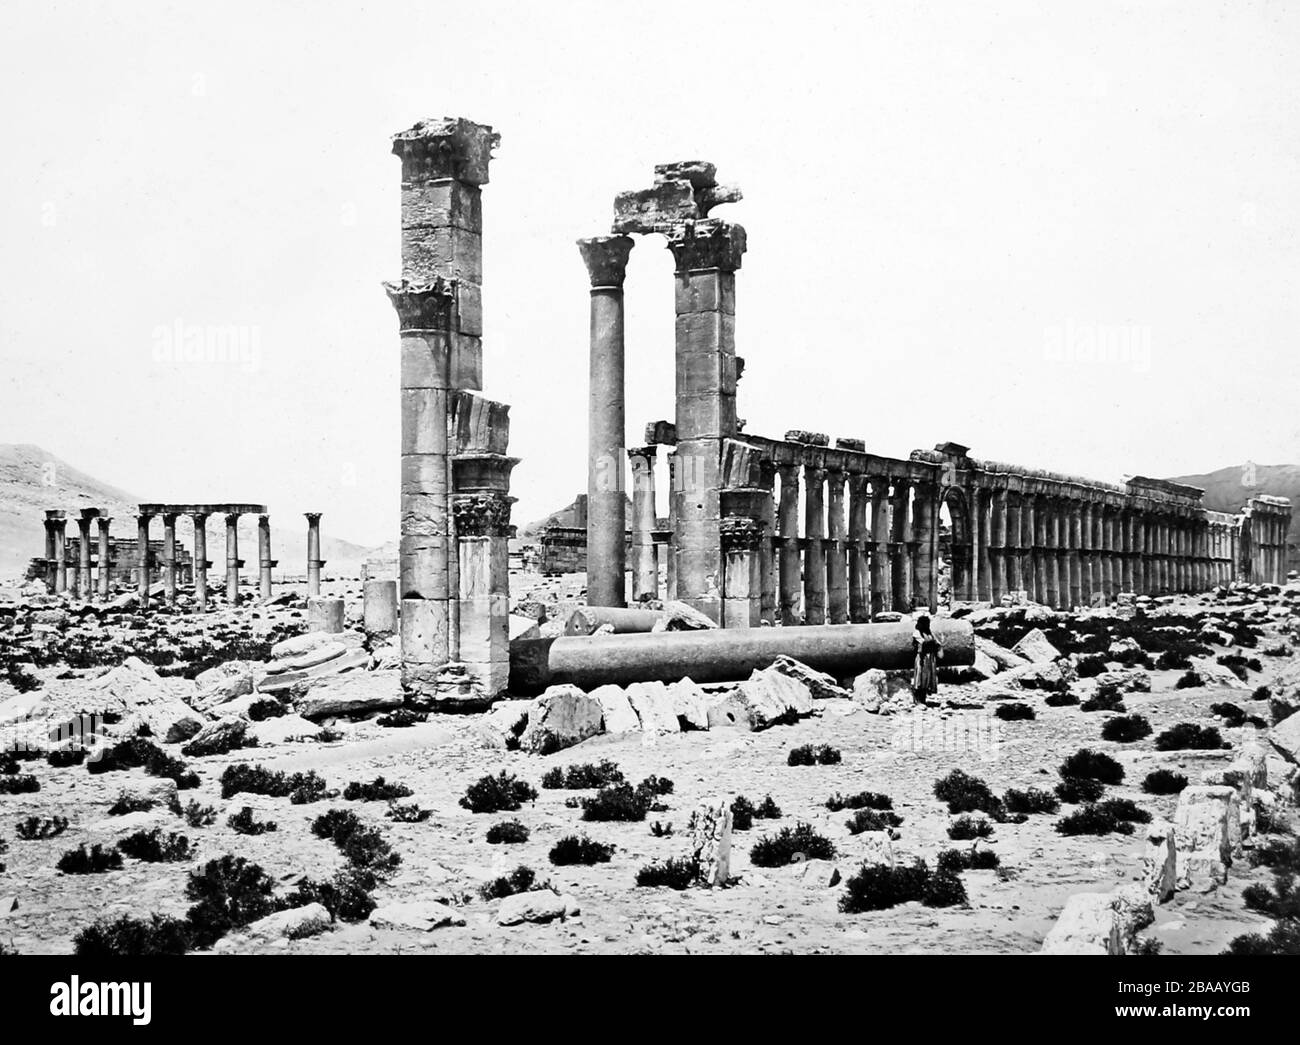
[927, 649]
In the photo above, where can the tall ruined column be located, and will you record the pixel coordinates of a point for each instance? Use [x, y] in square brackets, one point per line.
[1039, 519]
[900, 526]
[169, 558]
[142, 559]
[105, 556]
[440, 318]
[645, 562]
[1074, 520]
[997, 545]
[265, 564]
[879, 543]
[1028, 546]
[788, 520]
[233, 561]
[60, 559]
[84, 586]
[1114, 546]
[837, 576]
[741, 578]
[1055, 552]
[201, 561]
[925, 590]
[314, 561]
[707, 255]
[1015, 578]
[767, 544]
[1087, 553]
[980, 562]
[1139, 552]
[859, 558]
[51, 516]
[606, 261]
[814, 557]
[1126, 536]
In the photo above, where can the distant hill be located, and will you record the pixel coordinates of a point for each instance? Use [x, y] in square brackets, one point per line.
[33, 480]
[1228, 490]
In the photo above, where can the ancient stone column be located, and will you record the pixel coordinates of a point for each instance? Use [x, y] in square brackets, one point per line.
[440, 316]
[814, 556]
[645, 562]
[233, 561]
[1012, 553]
[900, 532]
[314, 561]
[379, 609]
[169, 558]
[60, 570]
[741, 579]
[670, 573]
[606, 261]
[997, 545]
[859, 557]
[1055, 553]
[1074, 520]
[1087, 553]
[1141, 565]
[980, 572]
[105, 556]
[837, 575]
[50, 529]
[1126, 535]
[84, 586]
[767, 544]
[707, 255]
[1028, 543]
[142, 559]
[201, 561]
[925, 590]
[880, 587]
[265, 564]
[788, 521]
[482, 606]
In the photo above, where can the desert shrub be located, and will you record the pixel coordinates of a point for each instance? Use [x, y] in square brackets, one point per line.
[496, 794]
[520, 880]
[1280, 901]
[402, 718]
[407, 813]
[378, 790]
[1131, 658]
[1031, 801]
[1283, 938]
[266, 708]
[661, 830]
[1093, 820]
[127, 937]
[363, 847]
[1060, 700]
[246, 823]
[1104, 700]
[952, 861]
[196, 815]
[862, 800]
[1172, 660]
[229, 892]
[967, 794]
[20, 784]
[1237, 664]
[1125, 809]
[94, 860]
[1189, 680]
[813, 755]
[966, 828]
[1090, 666]
[34, 829]
[1125, 729]
[1278, 853]
[346, 896]
[508, 832]
[1014, 711]
[877, 887]
[1163, 782]
[786, 845]
[620, 802]
[1261, 693]
[872, 820]
[336, 825]
[141, 753]
[62, 758]
[1232, 715]
[1075, 790]
[579, 849]
[584, 776]
[1092, 765]
[1188, 736]
[673, 873]
[299, 788]
[744, 812]
[154, 847]
[655, 785]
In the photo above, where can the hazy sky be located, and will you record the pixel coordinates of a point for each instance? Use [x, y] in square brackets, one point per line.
[1064, 234]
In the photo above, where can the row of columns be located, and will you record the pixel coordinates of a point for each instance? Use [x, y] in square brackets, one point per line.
[1065, 552]
[1266, 558]
[84, 587]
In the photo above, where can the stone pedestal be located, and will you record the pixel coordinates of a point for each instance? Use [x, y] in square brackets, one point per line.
[324, 613]
[379, 613]
[482, 608]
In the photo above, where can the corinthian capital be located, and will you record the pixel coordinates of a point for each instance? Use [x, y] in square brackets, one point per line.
[709, 244]
[446, 147]
[606, 259]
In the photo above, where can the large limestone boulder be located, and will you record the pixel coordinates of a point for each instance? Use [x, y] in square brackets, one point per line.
[678, 616]
[819, 685]
[357, 693]
[309, 658]
[418, 916]
[1100, 923]
[766, 698]
[281, 683]
[1124, 680]
[709, 831]
[878, 848]
[1206, 822]
[884, 692]
[293, 924]
[1036, 647]
[283, 730]
[690, 704]
[223, 683]
[217, 737]
[1285, 738]
[559, 718]
[169, 722]
[653, 707]
[617, 714]
[1285, 687]
[536, 905]
[504, 720]
[1003, 658]
[1160, 861]
[300, 644]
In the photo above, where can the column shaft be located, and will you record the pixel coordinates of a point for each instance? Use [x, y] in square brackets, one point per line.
[645, 563]
[788, 522]
[814, 559]
[837, 577]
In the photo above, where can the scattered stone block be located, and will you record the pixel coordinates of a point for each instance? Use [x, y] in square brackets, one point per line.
[418, 916]
[690, 704]
[505, 719]
[325, 614]
[819, 685]
[1160, 861]
[1036, 648]
[709, 830]
[883, 692]
[1205, 823]
[357, 693]
[653, 707]
[559, 718]
[536, 905]
[293, 924]
[617, 715]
